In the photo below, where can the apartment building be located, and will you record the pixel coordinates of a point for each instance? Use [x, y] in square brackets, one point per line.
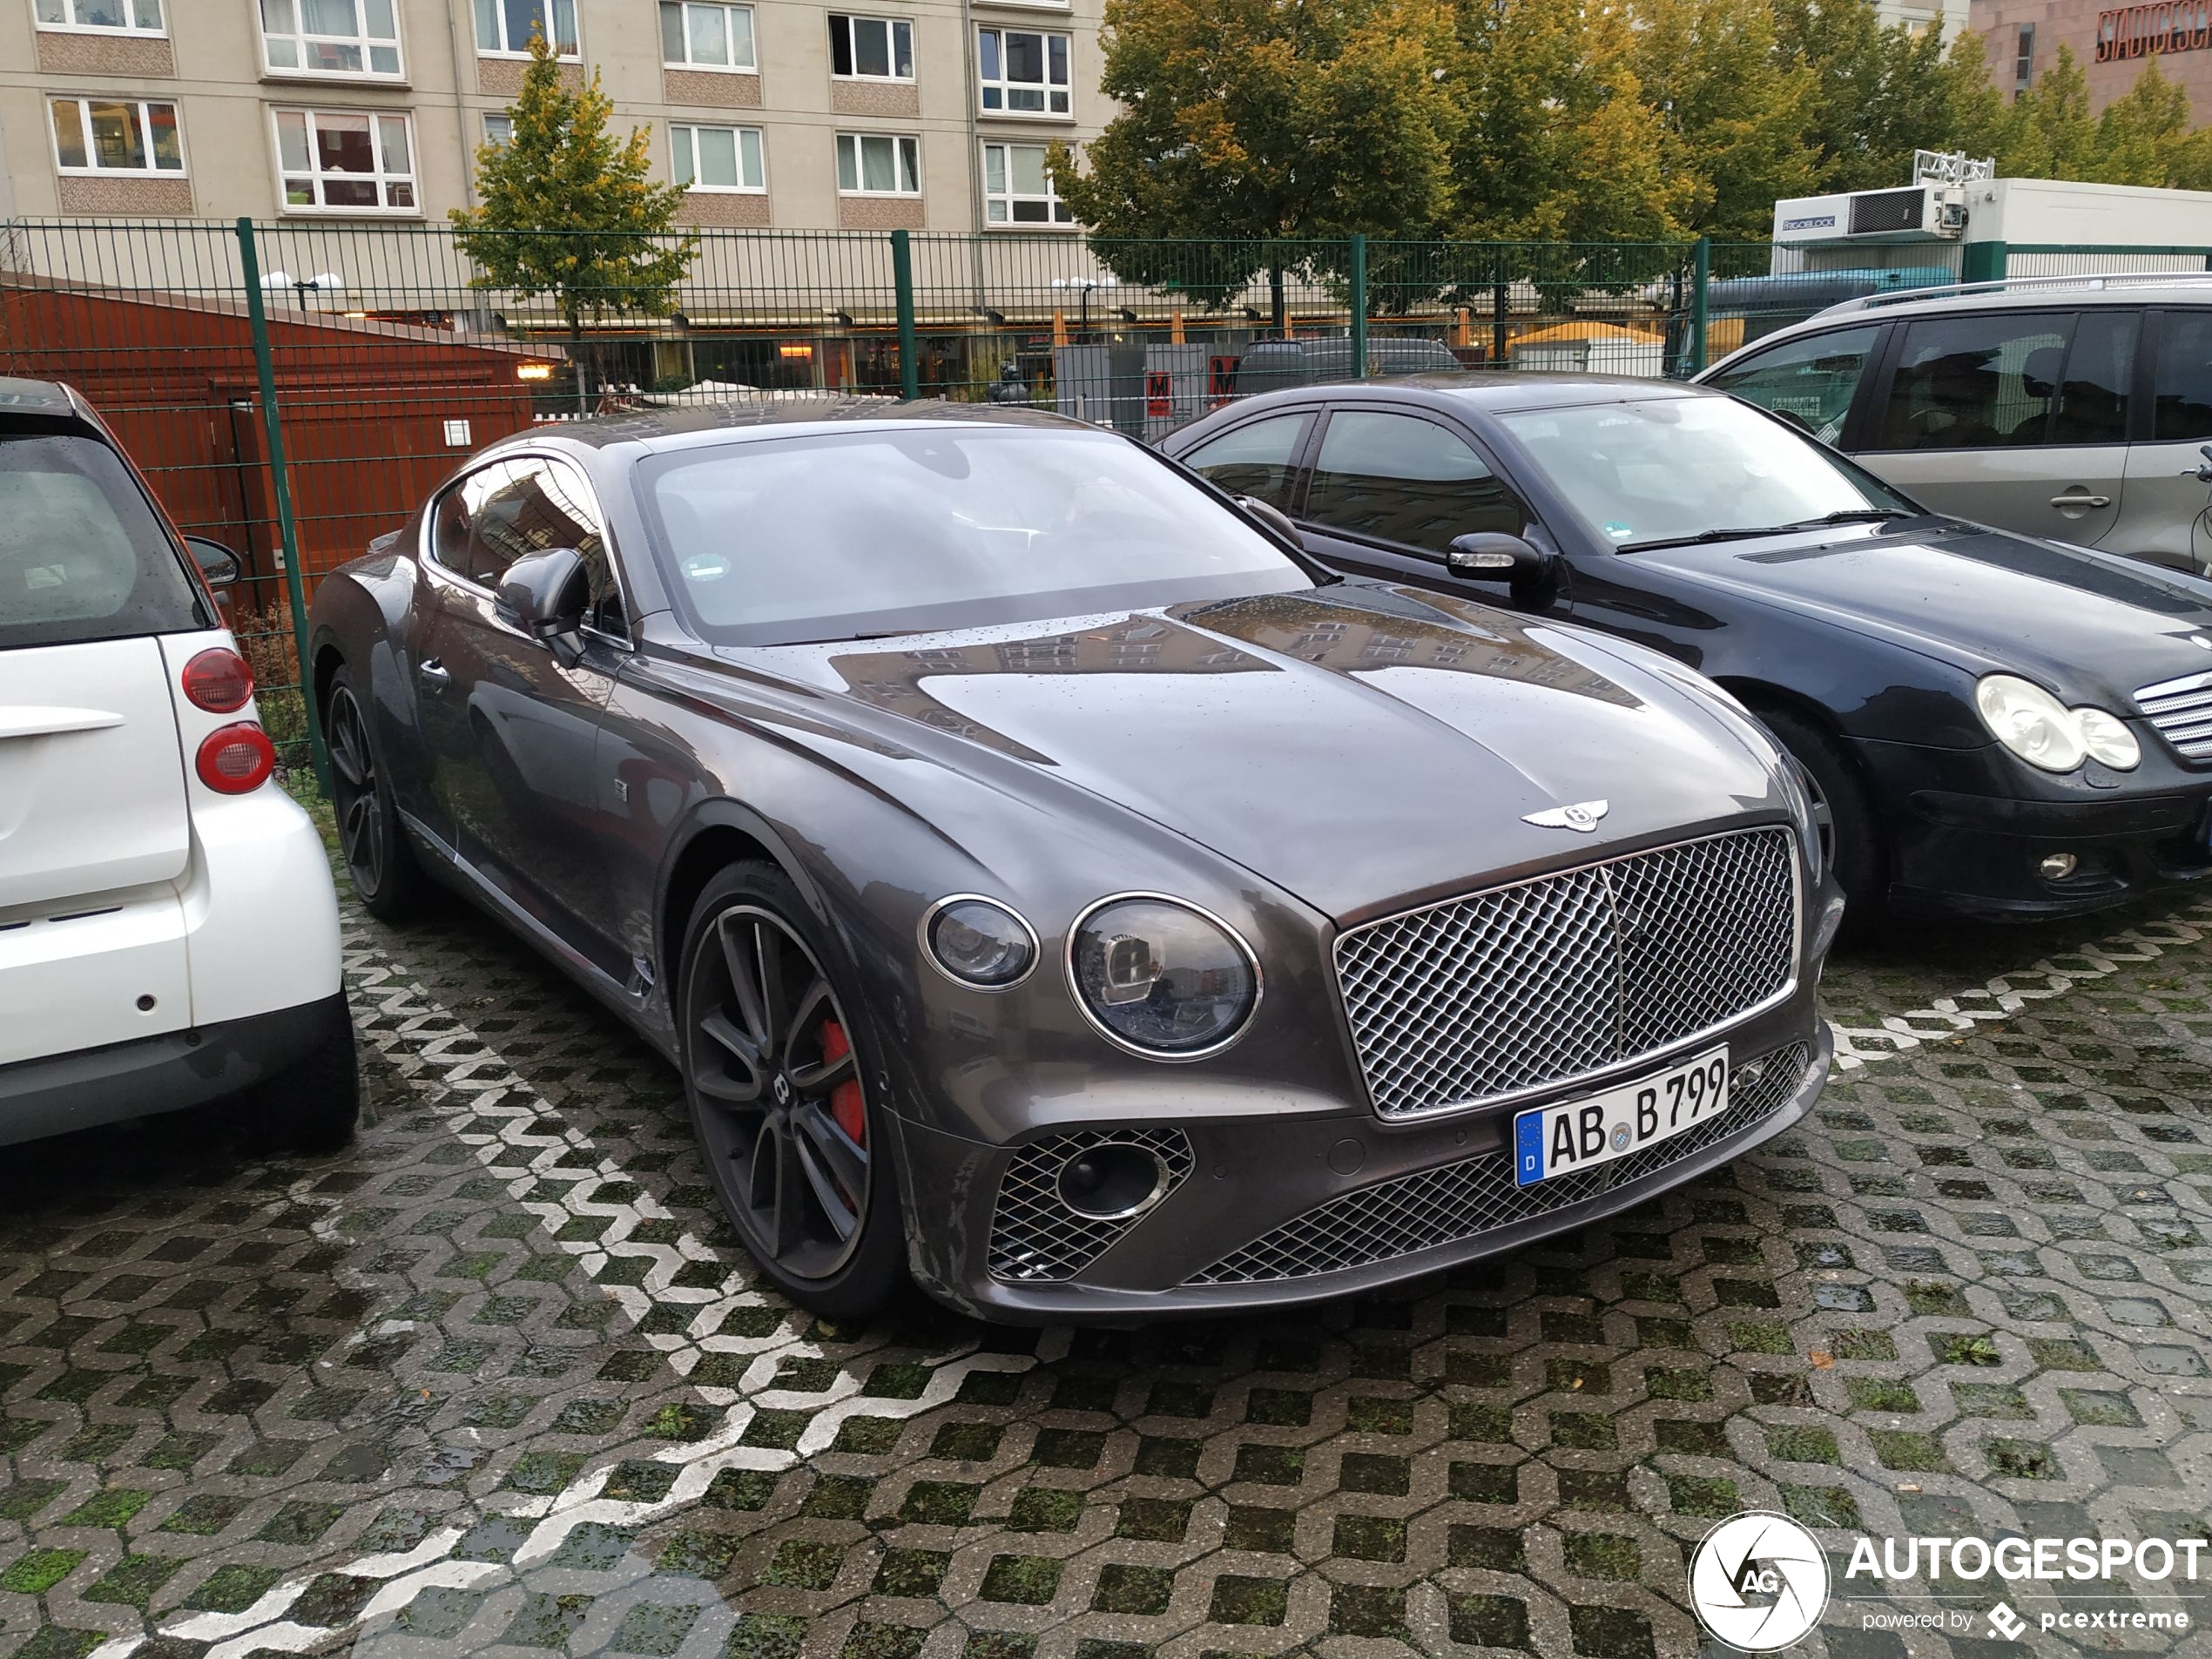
[919, 114]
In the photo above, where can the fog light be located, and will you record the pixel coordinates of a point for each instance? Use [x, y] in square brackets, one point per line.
[2057, 866]
[1113, 1182]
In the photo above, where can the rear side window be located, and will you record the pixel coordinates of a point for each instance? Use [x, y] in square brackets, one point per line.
[82, 555]
[1809, 382]
[1976, 382]
[1253, 460]
[1399, 478]
[2183, 390]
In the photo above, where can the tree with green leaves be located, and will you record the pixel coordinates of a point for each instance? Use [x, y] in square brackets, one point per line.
[2051, 133]
[1734, 109]
[567, 209]
[1247, 125]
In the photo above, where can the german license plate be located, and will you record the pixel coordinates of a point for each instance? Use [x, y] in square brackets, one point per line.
[1581, 1134]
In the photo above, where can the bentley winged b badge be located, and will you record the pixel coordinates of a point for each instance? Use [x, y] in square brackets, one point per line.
[1583, 815]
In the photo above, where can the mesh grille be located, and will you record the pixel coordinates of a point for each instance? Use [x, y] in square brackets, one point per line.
[1034, 1236]
[1526, 987]
[1463, 1200]
[1888, 210]
[2181, 710]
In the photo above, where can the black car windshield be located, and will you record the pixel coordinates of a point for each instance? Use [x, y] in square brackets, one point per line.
[1671, 469]
[900, 529]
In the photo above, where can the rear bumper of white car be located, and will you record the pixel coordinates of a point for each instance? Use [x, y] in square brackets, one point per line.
[65, 1092]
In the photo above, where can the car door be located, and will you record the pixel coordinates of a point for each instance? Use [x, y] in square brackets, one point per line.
[1390, 491]
[2162, 515]
[1258, 458]
[1811, 380]
[2012, 418]
[510, 721]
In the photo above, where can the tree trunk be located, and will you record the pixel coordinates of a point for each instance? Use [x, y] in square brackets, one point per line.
[1277, 308]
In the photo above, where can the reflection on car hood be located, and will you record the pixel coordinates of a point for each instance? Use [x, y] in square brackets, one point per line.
[1358, 747]
[2091, 625]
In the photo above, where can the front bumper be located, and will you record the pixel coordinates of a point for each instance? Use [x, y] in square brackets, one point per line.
[59, 1094]
[1265, 1207]
[1968, 829]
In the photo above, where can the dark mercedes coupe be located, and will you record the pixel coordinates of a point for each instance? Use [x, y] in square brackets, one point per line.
[1992, 725]
[1052, 884]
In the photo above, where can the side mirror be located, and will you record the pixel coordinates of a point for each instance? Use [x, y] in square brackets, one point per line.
[1487, 555]
[1274, 517]
[542, 593]
[219, 566]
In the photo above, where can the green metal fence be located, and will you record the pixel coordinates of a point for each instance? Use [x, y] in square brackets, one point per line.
[294, 389]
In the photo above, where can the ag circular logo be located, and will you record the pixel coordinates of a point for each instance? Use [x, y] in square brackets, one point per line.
[1759, 1582]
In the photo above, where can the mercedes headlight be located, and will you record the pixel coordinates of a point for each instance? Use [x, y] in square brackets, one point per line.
[1162, 977]
[2043, 732]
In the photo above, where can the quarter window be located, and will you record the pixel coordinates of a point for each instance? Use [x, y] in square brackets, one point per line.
[504, 27]
[1975, 383]
[1398, 478]
[2182, 391]
[1017, 189]
[693, 36]
[878, 164]
[331, 37]
[346, 162]
[116, 136]
[872, 48]
[123, 17]
[1253, 460]
[1808, 382]
[1023, 72]
[717, 157]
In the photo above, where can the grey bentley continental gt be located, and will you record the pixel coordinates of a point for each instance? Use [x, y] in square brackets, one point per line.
[1054, 886]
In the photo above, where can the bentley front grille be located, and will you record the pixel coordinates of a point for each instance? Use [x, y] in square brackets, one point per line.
[1035, 1237]
[2181, 710]
[1464, 1200]
[1527, 987]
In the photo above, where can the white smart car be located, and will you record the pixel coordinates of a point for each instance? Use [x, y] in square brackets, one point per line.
[168, 927]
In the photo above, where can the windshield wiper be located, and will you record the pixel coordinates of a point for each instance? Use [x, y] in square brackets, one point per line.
[1745, 532]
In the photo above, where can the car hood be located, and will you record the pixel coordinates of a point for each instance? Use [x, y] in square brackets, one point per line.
[2090, 625]
[1360, 747]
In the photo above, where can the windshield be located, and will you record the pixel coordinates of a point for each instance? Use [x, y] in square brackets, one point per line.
[82, 555]
[1672, 468]
[844, 535]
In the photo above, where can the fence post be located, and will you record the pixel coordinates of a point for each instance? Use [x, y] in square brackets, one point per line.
[281, 486]
[1700, 294]
[1359, 305]
[902, 277]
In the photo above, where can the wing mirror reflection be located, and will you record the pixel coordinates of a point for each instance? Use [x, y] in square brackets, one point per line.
[1489, 556]
[542, 594]
[219, 566]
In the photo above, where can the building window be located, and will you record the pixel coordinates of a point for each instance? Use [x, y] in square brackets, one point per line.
[1023, 72]
[1016, 188]
[504, 27]
[346, 161]
[499, 129]
[873, 48]
[693, 36]
[717, 157]
[116, 135]
[122, 17]
[878, 164]
[2024, 62]
[331, 37]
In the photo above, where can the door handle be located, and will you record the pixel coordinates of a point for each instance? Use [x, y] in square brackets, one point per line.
[433, 671]
[2081, 500]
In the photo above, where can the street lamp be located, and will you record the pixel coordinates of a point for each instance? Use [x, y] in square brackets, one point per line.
[1087, 285]
[327, 282]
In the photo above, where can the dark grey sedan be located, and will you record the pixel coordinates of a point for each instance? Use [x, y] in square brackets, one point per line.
[1052, 885]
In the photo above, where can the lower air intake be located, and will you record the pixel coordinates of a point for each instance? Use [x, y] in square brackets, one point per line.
[1036, 1237]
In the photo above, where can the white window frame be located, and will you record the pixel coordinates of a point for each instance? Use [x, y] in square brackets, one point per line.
[987, 84]
[690, 129]
[69, 25]
[302, 36]
[412, 177]
[751, 66]
[908, 143]
[497, 10]
[1010, 195]
[502, 139]
[91, 169]
[891, 25]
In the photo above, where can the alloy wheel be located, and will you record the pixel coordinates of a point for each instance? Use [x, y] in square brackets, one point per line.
[783, 1113]
[360, 817]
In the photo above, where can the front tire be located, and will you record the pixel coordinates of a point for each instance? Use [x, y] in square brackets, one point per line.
[378, 858]
[1851, 833]
[778, 1080]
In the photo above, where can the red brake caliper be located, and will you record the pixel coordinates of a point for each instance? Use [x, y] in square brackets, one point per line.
[845, 1099]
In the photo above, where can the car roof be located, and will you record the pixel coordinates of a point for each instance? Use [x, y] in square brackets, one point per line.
[1492, 390]
[44, 398]
[2014, 294]
[698, 424]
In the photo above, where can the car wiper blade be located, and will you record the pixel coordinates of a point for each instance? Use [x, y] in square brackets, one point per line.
[1854, 516]
[1745, 532]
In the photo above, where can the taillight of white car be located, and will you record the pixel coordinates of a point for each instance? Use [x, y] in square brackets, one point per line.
[237, 759]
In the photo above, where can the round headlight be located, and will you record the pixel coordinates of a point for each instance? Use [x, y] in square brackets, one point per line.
[2108, 738]
[980, 942]
[2031, 723]
[1162, 977]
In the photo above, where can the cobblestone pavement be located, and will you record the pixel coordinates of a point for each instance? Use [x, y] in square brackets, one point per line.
[496, 1379]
